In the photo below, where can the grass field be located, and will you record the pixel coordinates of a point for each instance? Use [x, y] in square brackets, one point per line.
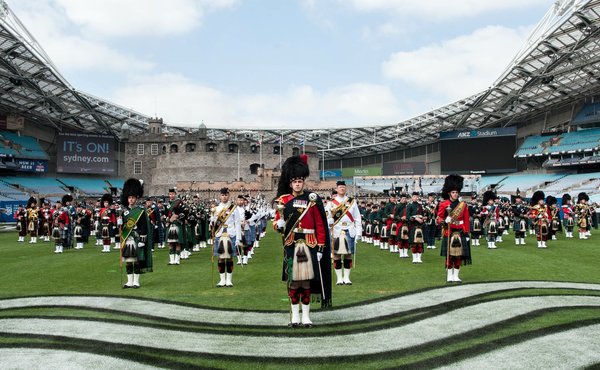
[396, 314]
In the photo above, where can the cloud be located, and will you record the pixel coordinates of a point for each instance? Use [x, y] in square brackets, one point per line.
[458, 67]
[68, 49]
[139, 17]
[181, 102]
[441, 9]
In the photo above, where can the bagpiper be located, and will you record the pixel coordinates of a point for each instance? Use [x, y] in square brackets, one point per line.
[302, 221]
[136, 234]
[555, 225]
[346, 221]
[403, 226]
[519, 212]
[568, 215]
[389, 237]
[21, 217]
[491, 215]
[60, 226]
[430, 227]
[108, 221]
[45, 227]
[539, 214]
[226, 231]
[454, 215]
[414, 216]
[582, 210]
[33, 215]
[175, 233]
[476, 219]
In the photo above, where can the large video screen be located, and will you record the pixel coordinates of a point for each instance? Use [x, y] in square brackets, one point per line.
[482, 151]
[85, 153]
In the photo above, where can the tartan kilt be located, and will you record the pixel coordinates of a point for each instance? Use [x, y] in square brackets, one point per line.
[250, 235]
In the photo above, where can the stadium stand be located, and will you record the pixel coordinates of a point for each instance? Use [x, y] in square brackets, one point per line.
[17, 146]
[43, 186]
[8, 193]
[86, 186]
[525, 182]
[569, 181]
[571, 142]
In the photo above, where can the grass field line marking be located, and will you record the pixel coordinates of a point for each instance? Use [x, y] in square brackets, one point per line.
[385, 340]
[34, 358]
[368, 311]
[575, 348]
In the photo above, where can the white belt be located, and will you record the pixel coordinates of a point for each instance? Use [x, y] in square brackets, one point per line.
[458, 223]
[304, 231]
[345, 224]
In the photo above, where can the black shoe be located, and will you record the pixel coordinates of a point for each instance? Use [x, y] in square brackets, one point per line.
[293, 325]
[126, 286]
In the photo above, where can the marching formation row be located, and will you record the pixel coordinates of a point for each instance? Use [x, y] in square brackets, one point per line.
[317, 233]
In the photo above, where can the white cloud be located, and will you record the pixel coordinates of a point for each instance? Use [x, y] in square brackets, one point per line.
[442, 9]
[139, 17]
[458, 67]
[182, 102]
[384, 30]
[67, 49]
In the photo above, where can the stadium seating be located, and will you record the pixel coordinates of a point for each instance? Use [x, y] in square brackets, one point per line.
[526, 182]
[571, 142]
[38, 185]
[86, 186]
[569, 181]
[21, 146]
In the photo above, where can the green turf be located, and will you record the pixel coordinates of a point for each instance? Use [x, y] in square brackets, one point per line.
[28, 269]
[31, 270]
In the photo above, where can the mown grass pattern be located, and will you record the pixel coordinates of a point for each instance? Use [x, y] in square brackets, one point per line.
[32, 270]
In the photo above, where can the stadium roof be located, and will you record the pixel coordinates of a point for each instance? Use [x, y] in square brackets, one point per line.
[558, 65]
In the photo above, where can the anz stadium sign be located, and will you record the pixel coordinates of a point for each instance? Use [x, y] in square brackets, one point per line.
[479, 133]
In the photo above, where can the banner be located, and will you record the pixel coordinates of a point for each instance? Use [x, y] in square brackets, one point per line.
[331, 173]
[404, 168]
[361, 171]
[85, 153]
[28, 165]
[479, 133]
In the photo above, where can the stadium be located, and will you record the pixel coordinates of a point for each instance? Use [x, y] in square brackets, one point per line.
[536, 128]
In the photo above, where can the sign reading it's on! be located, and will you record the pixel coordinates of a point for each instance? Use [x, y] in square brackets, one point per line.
[85, 153]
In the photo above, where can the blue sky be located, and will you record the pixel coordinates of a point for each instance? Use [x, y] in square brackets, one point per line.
[280, 64]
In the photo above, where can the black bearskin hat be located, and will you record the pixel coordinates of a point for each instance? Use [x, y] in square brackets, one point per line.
[132, 187]
[583, 196]
[31, 201]
[488, 195]
[293, 168]
[106, 198]
[452, 182]
[536, 197]
[67, 198]
[565, 198]
[550, 200]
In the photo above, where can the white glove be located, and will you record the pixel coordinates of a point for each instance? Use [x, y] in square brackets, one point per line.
[467, 238]
[280, 224]
[448, 219]
[330, 221]
[141, 245]
[119, 221]
[319, 256]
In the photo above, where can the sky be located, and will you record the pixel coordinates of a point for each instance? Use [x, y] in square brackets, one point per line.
[281, 63]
